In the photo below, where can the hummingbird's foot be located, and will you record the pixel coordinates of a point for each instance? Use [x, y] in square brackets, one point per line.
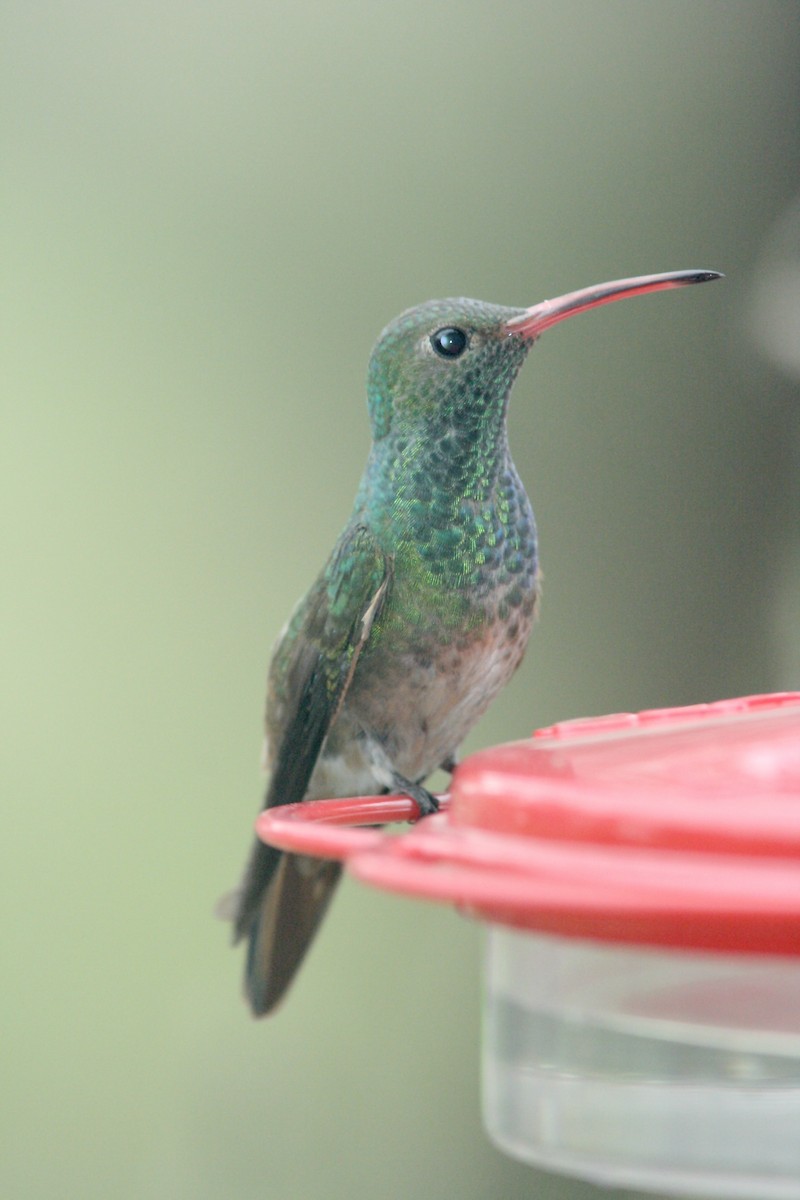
[449, 764]
[424, 800]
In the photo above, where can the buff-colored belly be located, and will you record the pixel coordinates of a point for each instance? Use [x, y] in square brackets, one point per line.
[420, 711]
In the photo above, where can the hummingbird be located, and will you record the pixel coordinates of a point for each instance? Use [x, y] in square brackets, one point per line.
[424, 608]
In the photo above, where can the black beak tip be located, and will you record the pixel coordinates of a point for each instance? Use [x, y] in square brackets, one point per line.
[705, 276]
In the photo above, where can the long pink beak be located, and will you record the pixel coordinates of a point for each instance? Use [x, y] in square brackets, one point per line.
[534, 321]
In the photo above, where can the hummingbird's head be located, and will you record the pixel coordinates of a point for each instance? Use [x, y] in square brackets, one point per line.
[443, 363]
[448, 365]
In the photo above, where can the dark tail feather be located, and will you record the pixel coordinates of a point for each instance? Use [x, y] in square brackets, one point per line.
[283, 900]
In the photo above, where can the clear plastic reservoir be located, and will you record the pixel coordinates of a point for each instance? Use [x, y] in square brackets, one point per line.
[659, 1069]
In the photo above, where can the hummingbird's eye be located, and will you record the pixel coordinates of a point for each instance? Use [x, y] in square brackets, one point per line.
[449, 342]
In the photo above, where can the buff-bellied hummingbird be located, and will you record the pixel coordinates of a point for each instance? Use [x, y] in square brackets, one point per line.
[423, 610]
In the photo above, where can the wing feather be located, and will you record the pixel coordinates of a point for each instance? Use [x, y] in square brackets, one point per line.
[311, 671]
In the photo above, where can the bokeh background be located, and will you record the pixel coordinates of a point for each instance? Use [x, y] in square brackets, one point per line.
[210, 211]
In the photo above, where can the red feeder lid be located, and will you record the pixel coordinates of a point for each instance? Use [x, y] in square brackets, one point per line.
[674, 827]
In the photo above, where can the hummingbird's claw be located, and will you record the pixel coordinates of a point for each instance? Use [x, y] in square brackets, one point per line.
[425, 801]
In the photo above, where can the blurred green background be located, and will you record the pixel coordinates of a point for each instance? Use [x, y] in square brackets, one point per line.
[210, 212]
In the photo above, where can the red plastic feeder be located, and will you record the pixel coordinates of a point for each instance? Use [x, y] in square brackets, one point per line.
[640, 875]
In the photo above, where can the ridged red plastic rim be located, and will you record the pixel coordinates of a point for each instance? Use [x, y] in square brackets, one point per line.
[677, 827]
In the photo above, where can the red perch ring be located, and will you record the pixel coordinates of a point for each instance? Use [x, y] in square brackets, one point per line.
[672, 827]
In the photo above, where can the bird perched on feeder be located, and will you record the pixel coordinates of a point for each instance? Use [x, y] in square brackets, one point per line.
[423, 610]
